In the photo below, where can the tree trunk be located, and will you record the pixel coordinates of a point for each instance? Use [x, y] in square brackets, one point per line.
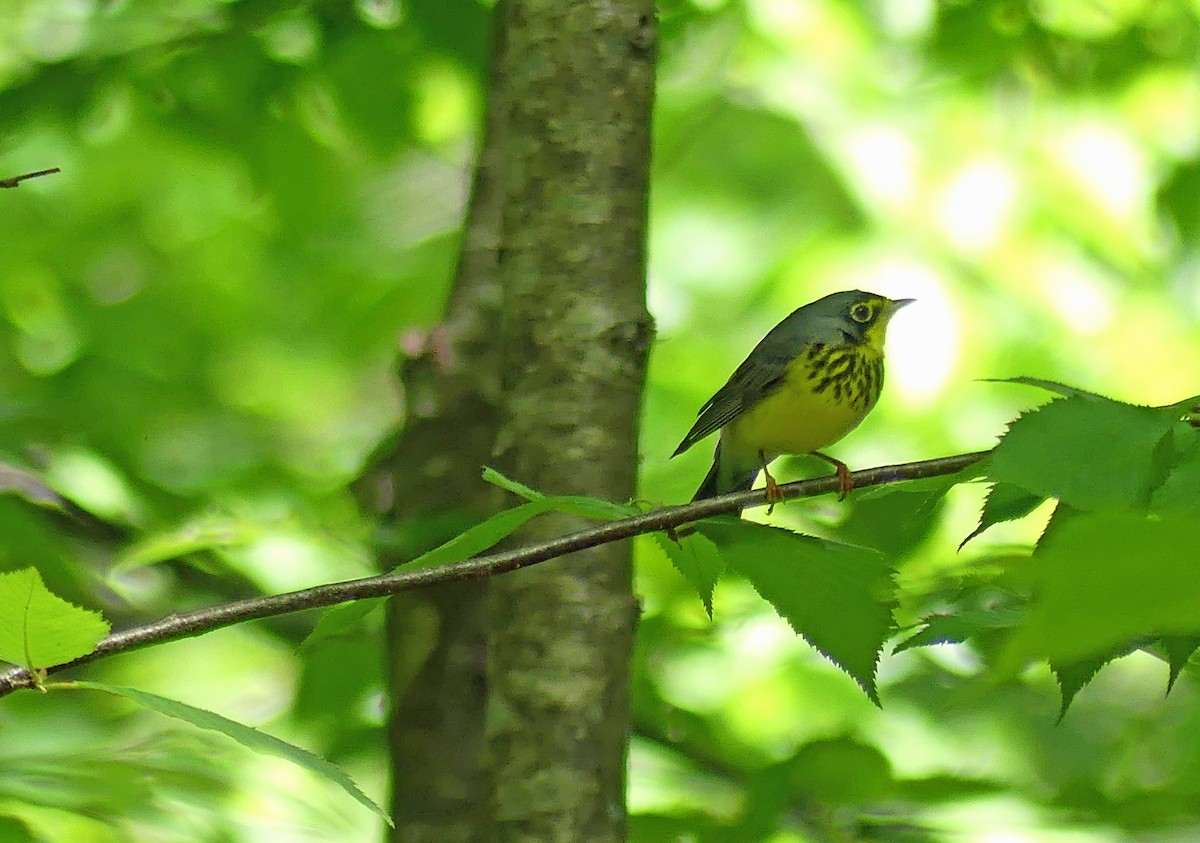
[437, 640]
[578, 93]
[541, 362]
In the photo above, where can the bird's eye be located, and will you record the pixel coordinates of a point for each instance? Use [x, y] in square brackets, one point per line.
[862, 312]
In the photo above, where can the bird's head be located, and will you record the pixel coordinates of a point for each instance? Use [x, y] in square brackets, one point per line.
[862, 318]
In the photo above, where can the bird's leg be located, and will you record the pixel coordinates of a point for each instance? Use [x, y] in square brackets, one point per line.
[774, 495]
[845, 481]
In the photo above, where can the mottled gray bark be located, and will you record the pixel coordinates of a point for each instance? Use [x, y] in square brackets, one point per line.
[437, 641]
[540, 365]
[578, 90]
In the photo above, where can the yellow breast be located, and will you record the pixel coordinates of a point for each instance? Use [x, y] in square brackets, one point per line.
[826, 392]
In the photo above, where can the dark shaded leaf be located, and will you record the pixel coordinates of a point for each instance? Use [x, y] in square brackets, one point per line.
[839, 597]
[698, 560]
[1179, 649]
[1004, 502]
[339, 620]
[842, 771]
[960, 626]
[1181, 488]
[1102, 580]
[897, 517]
[1073, 676]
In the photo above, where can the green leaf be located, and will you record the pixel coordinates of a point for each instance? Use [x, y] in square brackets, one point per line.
[839, 597]
[486, 534]
[897, 517]
[1188, 410]
[1089, 452]
[247, 736]
[208, 531]
[1073, 676]
[1004, 502]
[585, 507]
[40, 629]
[1179, 649]
[1102, 580]
[1181, 489]
[1050, 386]
[698, 560]
[494, 477]
[481, 537]
[339, 620]
[594, 509]
[13, 830]
[961, 625]
[841, 771]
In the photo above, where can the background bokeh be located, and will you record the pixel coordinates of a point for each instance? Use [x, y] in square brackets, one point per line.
[260, 202]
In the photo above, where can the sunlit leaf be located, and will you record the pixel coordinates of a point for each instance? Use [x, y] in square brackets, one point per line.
[839, 597]
[1050, 386]
[594, 509]
[39, 628]
[1088, 452]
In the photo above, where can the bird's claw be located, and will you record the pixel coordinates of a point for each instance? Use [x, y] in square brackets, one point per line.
[774, 494]
[845, 482]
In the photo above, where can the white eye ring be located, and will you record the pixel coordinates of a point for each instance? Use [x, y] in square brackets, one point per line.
[862, 312]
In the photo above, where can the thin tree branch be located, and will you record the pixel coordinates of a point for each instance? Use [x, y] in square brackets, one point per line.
[15, 181]
[189, 624]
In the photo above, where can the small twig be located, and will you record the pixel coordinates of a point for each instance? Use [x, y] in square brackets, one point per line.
[15, 181]
[194, 623]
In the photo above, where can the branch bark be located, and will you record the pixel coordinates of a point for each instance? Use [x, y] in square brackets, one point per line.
[15, 181]
[200, 621]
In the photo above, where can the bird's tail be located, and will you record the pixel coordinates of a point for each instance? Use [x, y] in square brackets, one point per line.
[721, 479]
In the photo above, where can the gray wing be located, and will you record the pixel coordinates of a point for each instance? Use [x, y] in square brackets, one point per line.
[761, 372]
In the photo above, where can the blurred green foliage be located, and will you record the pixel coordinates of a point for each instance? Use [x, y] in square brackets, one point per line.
[261, 199]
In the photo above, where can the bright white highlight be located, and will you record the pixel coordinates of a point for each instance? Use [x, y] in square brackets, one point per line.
[923, 341]
[885, 165]
[1108, 165]
[1081, 299]
[975, 207]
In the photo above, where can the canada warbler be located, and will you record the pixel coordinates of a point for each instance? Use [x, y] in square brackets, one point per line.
[810, 381]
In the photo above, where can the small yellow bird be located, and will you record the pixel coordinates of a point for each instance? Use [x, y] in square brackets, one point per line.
[810, 381]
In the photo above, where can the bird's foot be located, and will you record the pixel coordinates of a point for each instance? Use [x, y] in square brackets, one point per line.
[845, 481]
[774, 493]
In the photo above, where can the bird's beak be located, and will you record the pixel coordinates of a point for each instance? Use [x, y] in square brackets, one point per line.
[899, 303]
